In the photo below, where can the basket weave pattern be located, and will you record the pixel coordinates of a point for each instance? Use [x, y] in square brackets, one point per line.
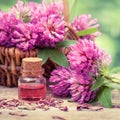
[10, 62]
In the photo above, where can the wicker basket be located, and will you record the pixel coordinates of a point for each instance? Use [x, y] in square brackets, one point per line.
[10, 62]
[11, 58]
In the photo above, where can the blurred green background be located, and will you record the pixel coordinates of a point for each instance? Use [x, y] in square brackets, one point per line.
[108, 14]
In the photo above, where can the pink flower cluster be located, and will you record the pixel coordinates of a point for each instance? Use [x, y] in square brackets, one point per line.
[24, 36]
[84, 22]
[60, 78]
[85, 55]
[29, 25]
[85, 60]
[7, 25]
[41, 25]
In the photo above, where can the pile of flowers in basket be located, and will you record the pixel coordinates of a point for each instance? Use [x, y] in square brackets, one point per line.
[84, 73]
[32, 25]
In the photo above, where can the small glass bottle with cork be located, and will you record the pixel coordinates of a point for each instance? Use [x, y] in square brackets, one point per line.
[32, 84]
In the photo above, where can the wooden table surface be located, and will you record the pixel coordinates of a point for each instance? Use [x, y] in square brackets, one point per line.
[72, 114]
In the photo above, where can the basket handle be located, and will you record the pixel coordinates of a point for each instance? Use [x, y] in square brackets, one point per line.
[66, 11]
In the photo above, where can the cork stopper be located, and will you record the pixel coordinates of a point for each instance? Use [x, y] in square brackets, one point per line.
[32, 66]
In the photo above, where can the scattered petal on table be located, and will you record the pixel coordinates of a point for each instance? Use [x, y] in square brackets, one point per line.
[58, 118]
[17, 113]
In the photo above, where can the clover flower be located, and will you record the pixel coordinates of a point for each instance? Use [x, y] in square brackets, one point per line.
[37, 11]
[50, 30]
[84, 22]
[52, 7]
[21, 11]
[7, 24]
[50, 25]
[59, 80]
[66, 82]
[28, 12]
[83, 55]
[86, 55]
[24, 36]
[80, 88]
[86, 59]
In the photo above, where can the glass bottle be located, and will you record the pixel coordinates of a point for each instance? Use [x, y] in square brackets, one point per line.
[32, 84]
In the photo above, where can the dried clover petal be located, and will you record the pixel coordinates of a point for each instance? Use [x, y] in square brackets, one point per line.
[17, 113]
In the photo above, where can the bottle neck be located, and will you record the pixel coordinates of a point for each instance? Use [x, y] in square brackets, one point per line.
[32, 73]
